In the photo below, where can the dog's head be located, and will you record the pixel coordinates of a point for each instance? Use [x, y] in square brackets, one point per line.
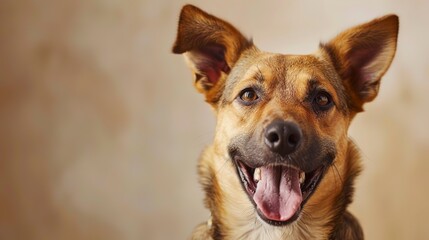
[283, 119]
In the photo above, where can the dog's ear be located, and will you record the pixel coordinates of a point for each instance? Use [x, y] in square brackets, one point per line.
[362, 54]
[211, 47]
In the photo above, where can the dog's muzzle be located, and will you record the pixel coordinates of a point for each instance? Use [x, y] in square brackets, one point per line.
[277, 186]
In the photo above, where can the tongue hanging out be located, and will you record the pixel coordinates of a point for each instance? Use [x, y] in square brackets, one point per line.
[278, 195]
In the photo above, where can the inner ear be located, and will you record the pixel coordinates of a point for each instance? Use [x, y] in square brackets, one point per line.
[210, 62]
[361, 56]
[361, 60]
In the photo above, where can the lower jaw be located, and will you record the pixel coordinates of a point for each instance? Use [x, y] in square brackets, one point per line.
[279, 223]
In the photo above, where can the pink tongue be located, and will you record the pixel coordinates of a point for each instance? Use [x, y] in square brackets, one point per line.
[278, 194]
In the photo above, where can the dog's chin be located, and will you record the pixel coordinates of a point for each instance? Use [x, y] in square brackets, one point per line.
[278, 192]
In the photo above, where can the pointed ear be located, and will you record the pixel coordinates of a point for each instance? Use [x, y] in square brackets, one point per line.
[211, 47]
[362, 54]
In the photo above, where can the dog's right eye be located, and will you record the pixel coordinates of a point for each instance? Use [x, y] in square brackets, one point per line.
[248, 96]
[322, 101]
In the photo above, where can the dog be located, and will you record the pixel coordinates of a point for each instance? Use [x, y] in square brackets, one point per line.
[281, 165]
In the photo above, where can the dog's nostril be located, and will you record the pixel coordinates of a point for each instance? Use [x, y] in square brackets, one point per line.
[273, 137]
[293, 139]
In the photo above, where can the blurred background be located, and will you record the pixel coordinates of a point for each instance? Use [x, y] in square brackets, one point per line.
[101, 128]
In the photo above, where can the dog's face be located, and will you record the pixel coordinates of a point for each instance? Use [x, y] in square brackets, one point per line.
[283, 117]
[282, 120]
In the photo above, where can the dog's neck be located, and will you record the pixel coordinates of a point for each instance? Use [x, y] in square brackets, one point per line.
[234, 216]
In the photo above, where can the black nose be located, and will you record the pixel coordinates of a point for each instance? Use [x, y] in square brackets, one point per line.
[283, 137]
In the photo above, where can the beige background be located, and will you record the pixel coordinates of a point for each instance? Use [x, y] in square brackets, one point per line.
[100, 127]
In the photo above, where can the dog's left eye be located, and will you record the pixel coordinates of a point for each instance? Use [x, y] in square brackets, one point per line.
[248, 96]
[322, 100]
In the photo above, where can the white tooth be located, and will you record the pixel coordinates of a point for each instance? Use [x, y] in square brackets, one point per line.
[257, 175]
[301, 177]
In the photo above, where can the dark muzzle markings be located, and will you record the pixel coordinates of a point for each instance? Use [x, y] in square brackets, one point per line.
[273, 178]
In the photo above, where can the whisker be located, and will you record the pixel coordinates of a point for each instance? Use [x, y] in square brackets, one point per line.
[222, 166]
[338, 173]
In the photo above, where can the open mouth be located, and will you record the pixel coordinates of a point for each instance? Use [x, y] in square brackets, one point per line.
[279, 192]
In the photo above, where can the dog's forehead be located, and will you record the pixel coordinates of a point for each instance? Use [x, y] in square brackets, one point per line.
[280, 71]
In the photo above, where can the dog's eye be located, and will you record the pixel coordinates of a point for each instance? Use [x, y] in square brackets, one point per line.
[322, 100]
[248, 95]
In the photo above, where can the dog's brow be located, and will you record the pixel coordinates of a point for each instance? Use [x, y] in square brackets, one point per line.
[259, 76]
[312, 83]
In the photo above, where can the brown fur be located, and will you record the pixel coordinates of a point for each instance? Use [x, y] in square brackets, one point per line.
[349, 67]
